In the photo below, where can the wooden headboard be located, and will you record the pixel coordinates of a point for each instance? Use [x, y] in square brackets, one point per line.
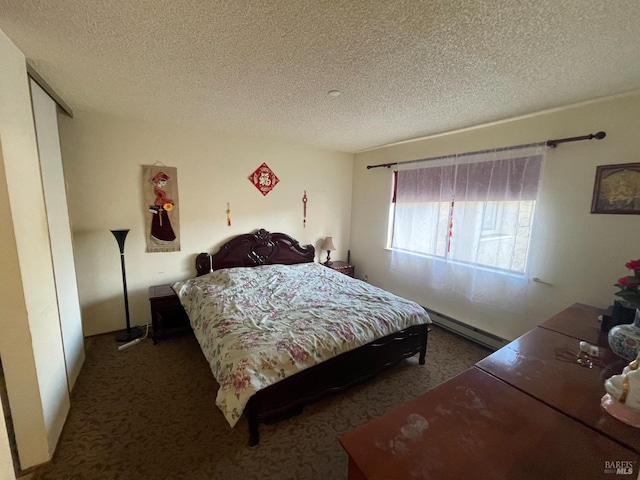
[252, 249]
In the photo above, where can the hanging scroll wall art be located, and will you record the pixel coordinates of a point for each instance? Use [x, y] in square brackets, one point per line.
[264, 179]
[160, 185]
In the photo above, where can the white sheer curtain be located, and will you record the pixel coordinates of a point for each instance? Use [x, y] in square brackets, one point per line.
[464, 223]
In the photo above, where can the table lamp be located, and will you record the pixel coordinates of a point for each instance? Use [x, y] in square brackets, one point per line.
[327, 245]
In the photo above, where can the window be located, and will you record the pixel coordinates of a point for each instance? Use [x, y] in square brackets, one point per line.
[459, 215]
[486, 237]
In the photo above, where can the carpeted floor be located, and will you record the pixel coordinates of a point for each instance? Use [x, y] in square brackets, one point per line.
[148, 412]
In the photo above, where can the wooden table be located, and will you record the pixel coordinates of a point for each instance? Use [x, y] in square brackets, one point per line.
[528, 411]
[343, 267]
[535, 364]
[476, 426]
[579, 321]
[167, 315]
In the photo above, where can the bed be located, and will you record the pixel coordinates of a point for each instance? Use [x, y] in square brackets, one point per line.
[278, 331]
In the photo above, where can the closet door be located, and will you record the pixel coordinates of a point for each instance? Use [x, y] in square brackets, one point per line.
[46, 122]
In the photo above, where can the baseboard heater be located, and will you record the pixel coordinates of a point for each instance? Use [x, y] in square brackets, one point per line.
[474, 334]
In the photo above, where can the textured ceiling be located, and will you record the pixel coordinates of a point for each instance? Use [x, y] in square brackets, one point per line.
[406, 69]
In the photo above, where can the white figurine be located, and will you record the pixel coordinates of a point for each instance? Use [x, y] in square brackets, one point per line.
[623, 394]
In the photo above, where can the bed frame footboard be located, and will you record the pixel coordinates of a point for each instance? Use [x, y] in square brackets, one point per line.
[287, 397]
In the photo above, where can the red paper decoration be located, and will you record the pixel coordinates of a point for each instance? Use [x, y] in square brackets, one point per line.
[264, 179]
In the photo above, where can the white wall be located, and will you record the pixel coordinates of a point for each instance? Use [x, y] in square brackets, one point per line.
[582, 254]
[30, 339]
[103, 157]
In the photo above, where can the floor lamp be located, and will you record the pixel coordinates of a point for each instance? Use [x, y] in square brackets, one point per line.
[130, 333]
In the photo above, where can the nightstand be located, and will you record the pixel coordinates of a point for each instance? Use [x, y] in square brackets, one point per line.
[167, 315]
[342, 267]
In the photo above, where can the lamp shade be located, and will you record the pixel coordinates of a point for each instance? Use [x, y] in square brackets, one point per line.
[120, 235]
[327, 244]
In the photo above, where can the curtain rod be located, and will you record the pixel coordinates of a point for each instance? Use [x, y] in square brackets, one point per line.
[548, 143]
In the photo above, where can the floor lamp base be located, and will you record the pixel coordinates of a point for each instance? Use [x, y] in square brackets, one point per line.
[127, 336]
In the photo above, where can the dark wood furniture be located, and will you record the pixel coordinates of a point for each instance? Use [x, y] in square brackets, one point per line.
[167, 315]
[579, 321]
[535, 364]
[342, 267]
[252, 249]
[477, 426]
[527, 411]
[288, 396]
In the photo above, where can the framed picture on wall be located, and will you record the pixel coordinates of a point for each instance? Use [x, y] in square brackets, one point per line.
[617, 189]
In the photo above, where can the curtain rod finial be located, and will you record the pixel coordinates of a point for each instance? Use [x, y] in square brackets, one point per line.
[554, 143]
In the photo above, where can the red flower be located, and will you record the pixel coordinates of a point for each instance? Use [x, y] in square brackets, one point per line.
[629, 282]
[240, 381]
[298, 353]
[630, 285]
[633, 265]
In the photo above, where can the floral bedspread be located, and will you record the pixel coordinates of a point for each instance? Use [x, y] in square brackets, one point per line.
[259, 325]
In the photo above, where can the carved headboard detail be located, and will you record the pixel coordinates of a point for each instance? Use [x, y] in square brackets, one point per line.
[252, 249]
